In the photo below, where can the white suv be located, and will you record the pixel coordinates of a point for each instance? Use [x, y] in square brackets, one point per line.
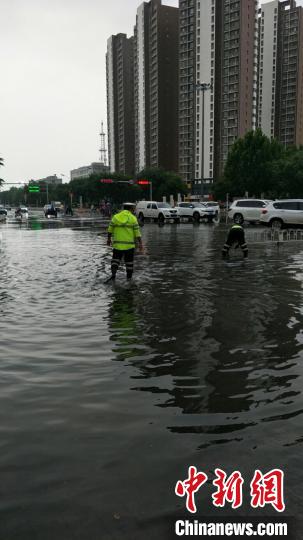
[284, 212]
[196, 211]
[214, 205]
[158, 211]
[247, 210]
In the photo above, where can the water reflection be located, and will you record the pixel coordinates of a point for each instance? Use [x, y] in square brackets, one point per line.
[216, 342]
[109, 392]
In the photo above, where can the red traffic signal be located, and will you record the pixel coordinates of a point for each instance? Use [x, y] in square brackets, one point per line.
[143, 182]
[106, 181]
[42, 187]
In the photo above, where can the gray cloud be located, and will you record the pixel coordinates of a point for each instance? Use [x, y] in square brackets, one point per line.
[52, 93]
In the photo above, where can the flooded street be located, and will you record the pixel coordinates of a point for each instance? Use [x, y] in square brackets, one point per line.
[108, 393]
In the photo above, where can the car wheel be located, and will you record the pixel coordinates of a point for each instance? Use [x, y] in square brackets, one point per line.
[161, 218]
[276, 223]
[141, 218]
[196, 217]
[177, 220]
[238, 218]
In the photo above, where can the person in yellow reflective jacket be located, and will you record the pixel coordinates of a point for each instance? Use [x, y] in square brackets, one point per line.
[235, 237]
[124, 234]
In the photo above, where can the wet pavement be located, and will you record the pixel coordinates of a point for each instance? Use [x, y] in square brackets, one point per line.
[108, 393]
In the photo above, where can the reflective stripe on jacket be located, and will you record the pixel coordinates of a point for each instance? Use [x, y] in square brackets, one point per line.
[125, 229]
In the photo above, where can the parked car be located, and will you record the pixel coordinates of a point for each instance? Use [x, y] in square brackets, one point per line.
[50, 211]
[3, 214]
[196, 211]
[21, 213]
[214, 205]
[247, 210]
[283, 212]
[158, 211]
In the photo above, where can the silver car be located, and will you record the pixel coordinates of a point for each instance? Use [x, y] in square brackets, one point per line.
[247, 210]
[283, 212]
[196, 211]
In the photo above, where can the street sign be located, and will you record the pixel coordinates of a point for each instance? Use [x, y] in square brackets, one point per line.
[33, 189]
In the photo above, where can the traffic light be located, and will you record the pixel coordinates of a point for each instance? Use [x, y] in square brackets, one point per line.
[42, 187]
[143, 182]
[33, 188]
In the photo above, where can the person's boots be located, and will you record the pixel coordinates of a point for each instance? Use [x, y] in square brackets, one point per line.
[114, 271]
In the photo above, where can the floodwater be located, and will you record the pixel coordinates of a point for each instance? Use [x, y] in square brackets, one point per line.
[108, 393]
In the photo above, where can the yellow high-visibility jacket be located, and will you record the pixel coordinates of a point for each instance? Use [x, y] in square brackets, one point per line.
[124, 228]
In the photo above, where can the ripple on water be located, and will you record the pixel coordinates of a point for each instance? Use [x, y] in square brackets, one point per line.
[195, 362]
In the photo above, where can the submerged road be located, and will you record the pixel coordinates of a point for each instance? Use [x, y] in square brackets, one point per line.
[108, 393]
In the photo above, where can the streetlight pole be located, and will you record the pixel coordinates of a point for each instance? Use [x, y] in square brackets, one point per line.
[203, 87]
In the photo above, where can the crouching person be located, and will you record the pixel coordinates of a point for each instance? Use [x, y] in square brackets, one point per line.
[236, 238]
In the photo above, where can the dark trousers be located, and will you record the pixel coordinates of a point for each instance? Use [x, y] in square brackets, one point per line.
[128, 256]
[235, 237]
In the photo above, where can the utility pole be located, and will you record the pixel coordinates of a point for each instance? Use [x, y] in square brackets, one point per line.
[203, 87]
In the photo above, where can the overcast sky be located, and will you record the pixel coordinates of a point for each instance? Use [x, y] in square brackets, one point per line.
[53, 84]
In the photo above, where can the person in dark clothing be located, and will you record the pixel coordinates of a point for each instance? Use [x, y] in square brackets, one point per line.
[236, 238]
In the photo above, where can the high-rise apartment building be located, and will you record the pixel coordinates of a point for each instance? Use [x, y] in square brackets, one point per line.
[237, 95]
[156, 86]
[120, 103]
[280, 85]
[218, 82]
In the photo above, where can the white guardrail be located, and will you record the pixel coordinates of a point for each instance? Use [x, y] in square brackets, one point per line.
[274, 236]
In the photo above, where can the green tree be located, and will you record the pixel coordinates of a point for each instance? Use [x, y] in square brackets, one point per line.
[249, 166]
[287, 173]
[93, 191]
[164, 183]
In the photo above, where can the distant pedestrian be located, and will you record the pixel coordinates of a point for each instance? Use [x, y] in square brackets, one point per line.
[236, 238]
[124, 234]
[108, 209]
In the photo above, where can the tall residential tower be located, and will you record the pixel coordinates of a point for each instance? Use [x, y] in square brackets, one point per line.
[280, 87]
[156, 86]
[218, 82]
[120, 103]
